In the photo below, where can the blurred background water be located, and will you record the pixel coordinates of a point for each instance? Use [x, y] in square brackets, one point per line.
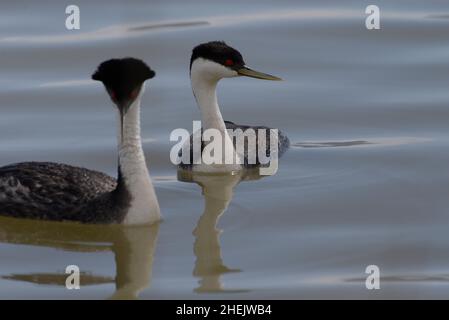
[366, 180]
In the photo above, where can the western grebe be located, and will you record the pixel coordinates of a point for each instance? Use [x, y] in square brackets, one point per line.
[210, 62]
[53, 191]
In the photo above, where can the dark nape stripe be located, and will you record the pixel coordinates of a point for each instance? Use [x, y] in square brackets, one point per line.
[122, 196]
[219, 52]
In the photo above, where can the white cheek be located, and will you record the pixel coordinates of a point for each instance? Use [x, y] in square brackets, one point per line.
[142, 90]
[211, 69]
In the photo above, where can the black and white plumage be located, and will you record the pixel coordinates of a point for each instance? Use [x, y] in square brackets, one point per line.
[283, 144]
[210, 62]
[53, 191]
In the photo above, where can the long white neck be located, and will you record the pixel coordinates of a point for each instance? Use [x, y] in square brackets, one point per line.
[204, 86]
[205, 91]
[144, 207]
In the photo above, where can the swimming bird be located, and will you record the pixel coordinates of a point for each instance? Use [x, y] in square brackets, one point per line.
[53, 191]
[210, 62]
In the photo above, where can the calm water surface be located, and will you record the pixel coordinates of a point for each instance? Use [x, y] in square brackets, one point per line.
[366, 180]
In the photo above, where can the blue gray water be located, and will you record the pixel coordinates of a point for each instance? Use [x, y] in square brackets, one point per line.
[365, 182]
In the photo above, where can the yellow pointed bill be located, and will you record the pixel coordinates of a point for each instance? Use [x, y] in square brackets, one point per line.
[247, 72]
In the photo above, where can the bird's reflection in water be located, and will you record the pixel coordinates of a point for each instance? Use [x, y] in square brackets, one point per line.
[218, 190]
[133, 248]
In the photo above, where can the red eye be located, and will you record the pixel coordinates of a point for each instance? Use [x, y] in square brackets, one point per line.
[112, 94]
[229, 62]
[134, 93]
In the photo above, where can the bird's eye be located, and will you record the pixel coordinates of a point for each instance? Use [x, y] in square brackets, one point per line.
[134, 93]
[112, 94]
[229, 62]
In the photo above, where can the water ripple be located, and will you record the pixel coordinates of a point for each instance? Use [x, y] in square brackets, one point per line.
[359, 143]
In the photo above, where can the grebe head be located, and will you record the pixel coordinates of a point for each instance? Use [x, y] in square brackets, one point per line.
[216, 60]
[123, 80]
